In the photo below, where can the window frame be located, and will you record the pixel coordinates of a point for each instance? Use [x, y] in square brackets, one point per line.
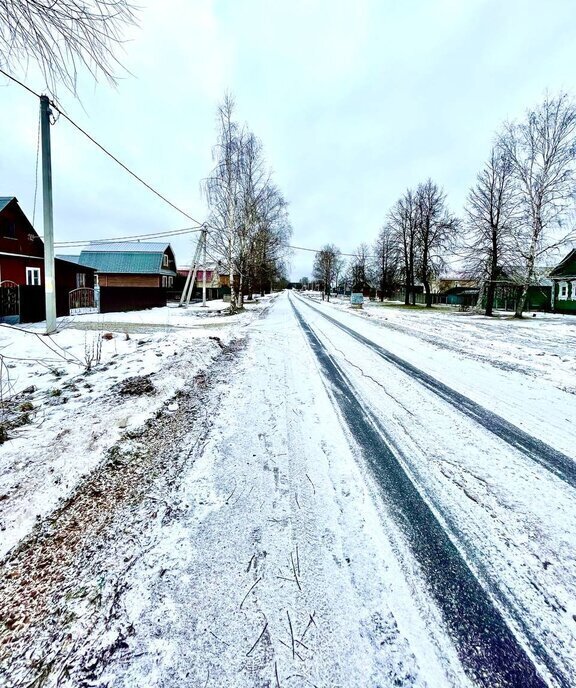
[32, 274]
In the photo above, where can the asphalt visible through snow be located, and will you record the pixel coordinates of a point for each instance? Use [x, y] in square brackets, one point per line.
[556, 462]
[490, 652]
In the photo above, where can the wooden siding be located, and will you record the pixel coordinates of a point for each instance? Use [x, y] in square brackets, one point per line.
[17, 234]
[107, 280]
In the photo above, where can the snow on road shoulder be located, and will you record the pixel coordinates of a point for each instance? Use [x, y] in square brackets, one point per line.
[68, 397]
[543, 346]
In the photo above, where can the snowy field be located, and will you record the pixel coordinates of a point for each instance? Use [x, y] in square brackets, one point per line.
[299, 495]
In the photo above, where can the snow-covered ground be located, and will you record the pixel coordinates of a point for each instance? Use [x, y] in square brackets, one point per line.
[76, 414]
[248, 541]
[542, 345]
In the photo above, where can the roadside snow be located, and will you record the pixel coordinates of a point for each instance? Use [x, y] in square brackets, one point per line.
[543, 346]
[76, 414]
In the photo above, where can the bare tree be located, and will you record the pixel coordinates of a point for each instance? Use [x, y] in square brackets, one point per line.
[223, 191]
[386, 261]
[327, 265]
[402, 220]
[542, 152]
[359, 268]
[62, 35]
[492, 218]
[247, 210]
[436, 230]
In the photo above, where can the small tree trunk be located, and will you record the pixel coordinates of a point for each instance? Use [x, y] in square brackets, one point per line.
[490, 295]
[428, 294]
[521, 302]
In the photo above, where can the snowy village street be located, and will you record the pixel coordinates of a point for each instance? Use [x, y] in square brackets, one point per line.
[309, 497]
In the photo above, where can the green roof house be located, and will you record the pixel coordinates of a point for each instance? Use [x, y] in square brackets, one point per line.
[131, 264]
[564, 289]
[132, 275]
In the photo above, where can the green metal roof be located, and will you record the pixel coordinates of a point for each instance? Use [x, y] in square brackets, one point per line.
[566, 267]
[123, 262]
[4, 200]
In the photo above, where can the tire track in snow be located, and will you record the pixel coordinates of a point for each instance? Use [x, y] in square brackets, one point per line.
[489, 651]
[561, 465]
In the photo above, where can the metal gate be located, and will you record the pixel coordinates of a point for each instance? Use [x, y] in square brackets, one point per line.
[9, 302]
[82, 301]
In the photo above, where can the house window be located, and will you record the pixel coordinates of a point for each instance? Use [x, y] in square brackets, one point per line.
[164, 261]
[573, 295]
[167, 281]
[80, 279]
[562, 291]
[33, 277]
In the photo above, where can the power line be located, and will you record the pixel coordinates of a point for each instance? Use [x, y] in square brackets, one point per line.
[319, 250]
[104, 150]
[132, 237]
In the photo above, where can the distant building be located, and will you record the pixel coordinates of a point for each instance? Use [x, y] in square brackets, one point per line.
[563, 278]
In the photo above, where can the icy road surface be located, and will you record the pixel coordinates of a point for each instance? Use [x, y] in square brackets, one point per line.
[334, 504]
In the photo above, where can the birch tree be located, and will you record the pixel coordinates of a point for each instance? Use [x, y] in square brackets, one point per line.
[542, 152]
[223, 191]
[491, 220]
[63, 35]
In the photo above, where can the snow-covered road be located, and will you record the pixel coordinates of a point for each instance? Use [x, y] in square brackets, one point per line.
[359, 508]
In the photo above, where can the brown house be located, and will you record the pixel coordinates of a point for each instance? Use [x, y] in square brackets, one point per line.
[22, 269]
[132, 275]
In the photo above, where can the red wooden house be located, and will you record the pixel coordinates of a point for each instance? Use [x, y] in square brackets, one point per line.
[22, 269]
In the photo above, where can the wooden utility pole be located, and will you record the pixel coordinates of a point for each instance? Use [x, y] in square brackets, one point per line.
[49, 268]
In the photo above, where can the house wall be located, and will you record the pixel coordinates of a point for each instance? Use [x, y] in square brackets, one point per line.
[16, 234]
[565, 305]
[109, 280]
[13, 268]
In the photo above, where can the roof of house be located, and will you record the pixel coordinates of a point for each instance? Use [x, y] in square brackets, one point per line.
[4, 200]
[566, 267]
[126, 257]
[69, 259]
[132, 246]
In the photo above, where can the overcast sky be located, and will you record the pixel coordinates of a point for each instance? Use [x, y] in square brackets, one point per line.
[354, 102]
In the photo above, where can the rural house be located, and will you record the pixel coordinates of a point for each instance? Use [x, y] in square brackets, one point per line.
[132, 275]
[22, 297]
[214, 281]
[563, 278]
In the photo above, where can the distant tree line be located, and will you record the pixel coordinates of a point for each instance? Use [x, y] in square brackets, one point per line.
[519, 210]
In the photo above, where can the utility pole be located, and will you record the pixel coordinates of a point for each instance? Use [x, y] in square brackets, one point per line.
[49, 269]
[204, 237]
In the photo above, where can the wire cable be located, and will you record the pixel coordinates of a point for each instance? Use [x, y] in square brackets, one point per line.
[104, 150]
[132, 237]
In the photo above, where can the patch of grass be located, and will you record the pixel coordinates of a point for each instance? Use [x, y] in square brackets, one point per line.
[55, 392]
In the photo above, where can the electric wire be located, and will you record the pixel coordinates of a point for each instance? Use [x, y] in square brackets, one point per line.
[132, 237]
[104, 150]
